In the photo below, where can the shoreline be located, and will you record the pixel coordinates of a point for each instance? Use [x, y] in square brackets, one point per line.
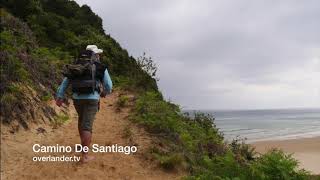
[305, 150]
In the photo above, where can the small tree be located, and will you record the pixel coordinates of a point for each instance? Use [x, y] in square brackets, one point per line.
[147, 64]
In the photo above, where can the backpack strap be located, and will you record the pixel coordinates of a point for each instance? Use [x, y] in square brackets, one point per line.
[93, 76]
[93, 73]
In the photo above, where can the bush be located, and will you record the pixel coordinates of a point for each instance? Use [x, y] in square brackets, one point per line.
[275, 164]
[59, 120]
[61, 29]
[169, 162]
[193, 138]
[122, 101]
[148, 65]
[46, 97]
[10, 100]
[244, 152]
[197, 142]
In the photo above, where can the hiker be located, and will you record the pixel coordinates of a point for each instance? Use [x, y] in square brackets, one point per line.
[86, 78]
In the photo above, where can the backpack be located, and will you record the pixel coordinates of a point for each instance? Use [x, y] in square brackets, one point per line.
[85, 75]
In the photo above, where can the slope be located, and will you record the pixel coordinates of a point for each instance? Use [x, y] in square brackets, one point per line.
[109, 128]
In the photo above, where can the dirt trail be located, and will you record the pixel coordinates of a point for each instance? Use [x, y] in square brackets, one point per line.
[110, 127]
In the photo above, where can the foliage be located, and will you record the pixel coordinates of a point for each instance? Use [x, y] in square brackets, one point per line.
[64, 25]
[170, 161]
[46, 97]
[25, 64]
[196, 142]
[277, 165]
[59, 120]
[122, 101]
[186, 136]
[43, 35]
[244, 152]
[148, 65]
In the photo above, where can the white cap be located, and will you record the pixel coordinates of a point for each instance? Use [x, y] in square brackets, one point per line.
[94, 49]
[91, 47]
[98, 51]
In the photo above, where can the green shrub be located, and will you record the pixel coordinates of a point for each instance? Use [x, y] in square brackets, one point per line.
[8, 99]
[122, 101]
[12, 96]
[169, 162]
[60, 119]
[276, 164]
[61, 29]
[245, 152]
[191, 137]
[46, 97]
[127, 133]
[198, 142]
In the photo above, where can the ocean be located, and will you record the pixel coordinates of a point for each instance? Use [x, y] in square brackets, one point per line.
[259, 125]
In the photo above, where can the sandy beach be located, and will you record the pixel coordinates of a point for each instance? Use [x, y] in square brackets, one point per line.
[306, 150]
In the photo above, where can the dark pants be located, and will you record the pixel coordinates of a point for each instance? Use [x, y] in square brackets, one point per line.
[86, 109]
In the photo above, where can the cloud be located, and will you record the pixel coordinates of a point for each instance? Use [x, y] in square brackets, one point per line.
[224, 54]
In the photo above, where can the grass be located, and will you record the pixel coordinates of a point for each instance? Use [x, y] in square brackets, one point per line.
[170, 161]
[8, 102]
[24, 63]
[123, 101]
[46, 97]
[196, 145]
[60, 119]
[127, 133]
[194, 141]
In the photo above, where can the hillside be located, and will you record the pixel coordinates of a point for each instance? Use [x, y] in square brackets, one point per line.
[38, 37]
[110, 128]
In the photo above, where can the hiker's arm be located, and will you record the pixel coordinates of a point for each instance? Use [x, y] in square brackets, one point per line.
[107, 82]
[62, 88]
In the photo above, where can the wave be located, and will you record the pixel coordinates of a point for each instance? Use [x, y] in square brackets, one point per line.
[288, 137]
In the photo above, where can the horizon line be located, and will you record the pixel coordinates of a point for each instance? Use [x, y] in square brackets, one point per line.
[250, 109]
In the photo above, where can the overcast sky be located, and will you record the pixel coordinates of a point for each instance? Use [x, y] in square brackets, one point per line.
[223, 54]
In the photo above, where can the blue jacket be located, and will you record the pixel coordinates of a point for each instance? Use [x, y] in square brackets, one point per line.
[107, 83]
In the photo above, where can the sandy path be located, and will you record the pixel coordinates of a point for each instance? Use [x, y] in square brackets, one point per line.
[16, 150]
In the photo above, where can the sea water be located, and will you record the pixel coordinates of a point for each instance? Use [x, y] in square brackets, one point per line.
[273, 124]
